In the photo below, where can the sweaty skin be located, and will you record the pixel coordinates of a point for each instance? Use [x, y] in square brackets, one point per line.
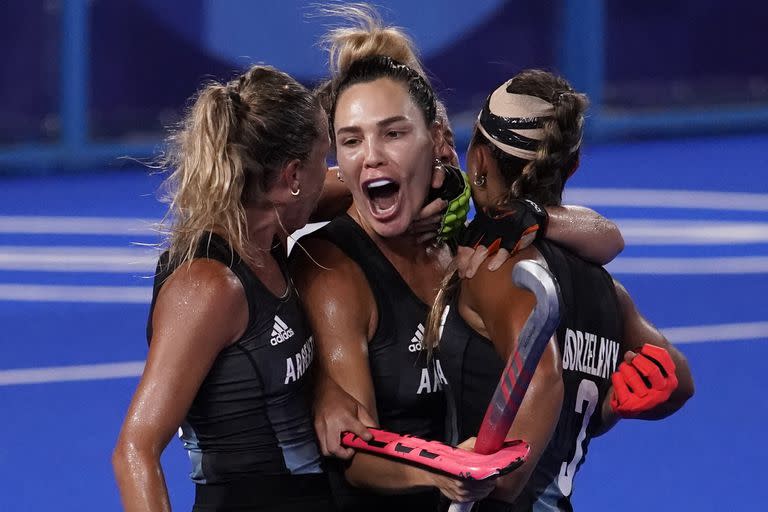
[581, 229]
[494, 307]
[380, 134]
[638, 331]
[343, 318]
[497, 309]
[200, 310]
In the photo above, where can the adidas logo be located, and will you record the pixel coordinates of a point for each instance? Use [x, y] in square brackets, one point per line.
[417, 342]
[280, 332]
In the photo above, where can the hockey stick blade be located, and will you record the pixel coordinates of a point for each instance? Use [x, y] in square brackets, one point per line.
[532, 341]
[439, 456]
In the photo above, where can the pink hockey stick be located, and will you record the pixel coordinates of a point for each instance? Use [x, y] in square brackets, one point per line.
[439, 456]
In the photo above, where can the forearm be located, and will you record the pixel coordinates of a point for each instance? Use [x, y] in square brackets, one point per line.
[585, 232]
[141, 481]
[386, 476]
[509, 487]
[609, 418]
[685, 386]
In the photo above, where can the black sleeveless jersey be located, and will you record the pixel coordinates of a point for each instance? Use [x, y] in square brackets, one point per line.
[409, 389]
[589, 337]
[251, 415]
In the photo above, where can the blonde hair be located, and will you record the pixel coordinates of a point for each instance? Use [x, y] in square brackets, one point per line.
[227, 152]
[367, 37]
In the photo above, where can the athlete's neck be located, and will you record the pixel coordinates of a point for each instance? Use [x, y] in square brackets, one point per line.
[263, 226]
[405, 245]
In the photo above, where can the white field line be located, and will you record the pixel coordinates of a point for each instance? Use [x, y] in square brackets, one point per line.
[691, 232]
[132, 260]
[677, 335]
[144, 265]
[78, 259]
[26, 224]
[638, 232]
[717, 332]
[71, 373]
[689, 266]
[92, 294]
[659, 198]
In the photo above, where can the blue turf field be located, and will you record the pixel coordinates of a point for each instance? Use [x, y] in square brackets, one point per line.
[704, 277]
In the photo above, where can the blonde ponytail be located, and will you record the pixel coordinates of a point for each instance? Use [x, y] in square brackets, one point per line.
[206, 183]
[227, 152]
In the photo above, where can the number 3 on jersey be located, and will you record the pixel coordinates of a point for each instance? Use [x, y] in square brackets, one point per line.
[587, 393]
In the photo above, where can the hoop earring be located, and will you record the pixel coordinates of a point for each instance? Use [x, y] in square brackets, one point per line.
[339, 176]
[438, 164]
[296, 192]
[479, 180]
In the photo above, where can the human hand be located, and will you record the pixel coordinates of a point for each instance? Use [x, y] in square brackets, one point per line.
[426, 225]
[460, 490]
[335, 412]
[643, 381]
[468, 260]
[514, 226]
[468, 444]
[449, 184]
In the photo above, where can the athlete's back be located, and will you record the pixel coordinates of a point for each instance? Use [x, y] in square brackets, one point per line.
[589, 337]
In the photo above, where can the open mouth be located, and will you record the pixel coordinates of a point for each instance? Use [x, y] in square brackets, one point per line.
[383, 196]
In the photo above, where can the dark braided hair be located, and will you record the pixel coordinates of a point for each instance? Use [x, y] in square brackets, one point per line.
[543, 178]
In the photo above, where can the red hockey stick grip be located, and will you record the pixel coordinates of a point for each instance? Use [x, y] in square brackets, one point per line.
[440, 456]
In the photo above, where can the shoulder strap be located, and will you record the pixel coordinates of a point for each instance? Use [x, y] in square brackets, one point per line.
[347, 235]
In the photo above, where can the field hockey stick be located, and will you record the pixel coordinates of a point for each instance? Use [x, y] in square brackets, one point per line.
[440, 457]
[533, 339]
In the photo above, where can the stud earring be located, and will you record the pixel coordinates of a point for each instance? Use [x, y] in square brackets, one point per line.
[479, 180]
[438, 164]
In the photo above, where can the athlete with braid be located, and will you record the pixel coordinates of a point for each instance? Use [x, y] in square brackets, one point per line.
[605, 362]
[367, 292]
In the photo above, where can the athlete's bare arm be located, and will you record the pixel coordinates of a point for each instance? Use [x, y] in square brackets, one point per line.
[498, 309]
[638, 331]
[342, 314]
[200, 310]
[585, 232]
